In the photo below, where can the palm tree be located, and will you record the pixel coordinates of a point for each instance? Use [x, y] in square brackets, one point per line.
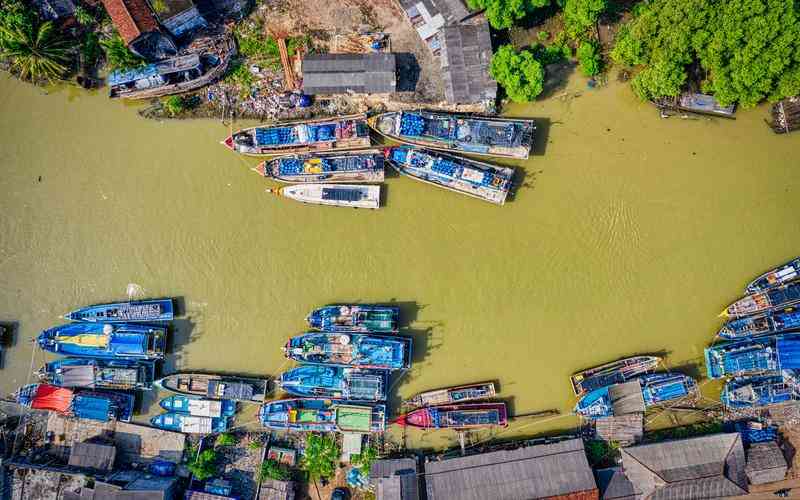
[37, 53]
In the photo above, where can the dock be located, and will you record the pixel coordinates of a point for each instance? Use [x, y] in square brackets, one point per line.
[786, 115]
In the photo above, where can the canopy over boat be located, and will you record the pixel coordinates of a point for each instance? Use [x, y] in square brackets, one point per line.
[775, 277]
[248, 390]
[636, 395]
[100, 373]
[355, 318]
[457, 416]
[335, 382]
[122, 312]
[351, 349]
[323, 416]
[612, 373]
[189, 424]
[106, 340]
[754, 356]
[751, 392]
[774, 298]
[762, 324]
[93, 405]
[358, 166]
[200, 407]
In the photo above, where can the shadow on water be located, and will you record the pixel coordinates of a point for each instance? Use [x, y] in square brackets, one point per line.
[145, 401]
[180, 335]
[180, 306]
[384, 196]
[10, 330]
[556, 78]
[408, 71]
[692, 368]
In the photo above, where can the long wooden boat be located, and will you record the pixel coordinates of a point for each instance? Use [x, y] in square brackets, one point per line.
[119, 374]
[753, 392]
[206, 61]
[754, 356]
[125, 312]
[692, 102]
[248, 390]
[785, 115]
[452, 395]
[768, 323]
[189, 424]
[781, 275]
[199, 407]
[355, 318]
[337, 195]
[490, 136]
[657, 389]
[358, 350]
[615, 372]
[474, 178]
[457, 416]
[335, 382]
[93, 405]
[106, 340]
[321, 415]
[356, 166]
[774, 298]
[318, 135]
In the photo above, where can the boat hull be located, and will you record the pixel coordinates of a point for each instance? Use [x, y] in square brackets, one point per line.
[363, 318]
[335, 382]
[773, 298]
[755, 392]
[125, 312]
[762, 324]
[335, 195]
[116, 374]
[320, 415]
[360, 166]
[615, 372]
[460, 416]
[189, 424]
[656, 388]
[357, 350]
[452, 395]
[243, 389]
[781, 275]
[106, 340]
[755, 356]
[93, 405]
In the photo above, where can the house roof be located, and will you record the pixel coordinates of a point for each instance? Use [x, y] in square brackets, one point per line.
[614, 485]
[466, 56]
[131, 18]
[373, 73]
[395, 479]
[93, 456]
[532, 472]
[765, 463]
[272, 489]
[703, 467]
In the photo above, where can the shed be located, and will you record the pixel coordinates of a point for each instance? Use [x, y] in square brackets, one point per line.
[558, 470]
[626, 399]
[697, 468]
[272, 489]
[99, 457]
[139, 29]
[430, 16]
[466, 56]
[52, 10]
[614, 485]
[327, 74]
[765, 463]
[395, 479]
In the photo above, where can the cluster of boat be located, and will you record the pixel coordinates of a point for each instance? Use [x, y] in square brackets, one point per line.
[329, 161]
[761, 356]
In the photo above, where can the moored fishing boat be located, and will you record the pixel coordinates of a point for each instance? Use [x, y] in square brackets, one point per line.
[199, 407]
[248, 390]
[357, 350]
[692, 102]
[752, 392]
[754, 356]
[474, 178]
[775, 277]
[337, 195]
[125, 312]
[189, 424]
[774, 298]
[93, 405]
[652, 390]
[355, 318]
[335, 382]
[457, 416]
[763, 324]
[615, 372]
[322, 415]
[322, 134]
[120, 374]
[452, 395]
[106, 340]
[357, 166]
[491, 136]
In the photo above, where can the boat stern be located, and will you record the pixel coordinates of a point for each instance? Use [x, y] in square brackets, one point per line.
[228, 143]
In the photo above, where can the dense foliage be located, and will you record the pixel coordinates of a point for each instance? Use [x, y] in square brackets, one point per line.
[118, 55]
[502, 14]
[589, 58]
[271, 469]
[37, 53]
[747, 50]
[261, 49]
[204, 465]
[364, 460]
[226, 438]
[520, 74]
[580, 16]
[320, 456]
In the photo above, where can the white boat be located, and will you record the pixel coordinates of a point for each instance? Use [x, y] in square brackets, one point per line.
[338, 195]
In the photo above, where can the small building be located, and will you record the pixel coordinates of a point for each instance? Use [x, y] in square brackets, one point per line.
[204, 495]
[702, 467]
[93, 456]
[53, 10]
[330, 74]
[395, 479]
[142, 488]
[466, 56]
[554, 471]
[765, 463]
[626, 430]
[272, 489]
[138, 27]
[614, 485]
[429, 16]
[179, 17]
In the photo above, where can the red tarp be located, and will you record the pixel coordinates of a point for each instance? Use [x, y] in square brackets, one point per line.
[50, 397]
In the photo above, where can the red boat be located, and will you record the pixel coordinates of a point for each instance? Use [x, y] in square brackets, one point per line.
[460, 416]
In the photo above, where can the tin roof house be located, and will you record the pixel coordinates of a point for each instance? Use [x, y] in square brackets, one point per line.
[179, 17]
[466, 56]
[139, 29]
[430, 16]
[395, 479]
[327, 74]
[765, 463]
[53, 10]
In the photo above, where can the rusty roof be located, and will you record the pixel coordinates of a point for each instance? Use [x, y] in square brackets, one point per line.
[131, 18]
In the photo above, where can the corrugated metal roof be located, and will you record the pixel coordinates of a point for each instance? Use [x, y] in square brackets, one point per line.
[466, 56]
[614, 485]
[92, 456]
[344, 73]
[395, 479]
[765, 463]
[626, 398]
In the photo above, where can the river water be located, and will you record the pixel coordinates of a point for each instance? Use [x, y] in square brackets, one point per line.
[630, 233]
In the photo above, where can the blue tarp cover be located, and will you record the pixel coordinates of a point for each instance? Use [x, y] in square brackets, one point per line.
[91, 407]
[131, 75]
[788, 353]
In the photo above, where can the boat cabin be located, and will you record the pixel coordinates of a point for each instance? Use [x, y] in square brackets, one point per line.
[167, 72]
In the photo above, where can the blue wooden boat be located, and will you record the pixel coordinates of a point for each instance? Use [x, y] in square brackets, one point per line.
[759, 302]
[322, 415]
[656, 389]
[462, 175]
[775, 277]
[751, 392]
[763, 324]
[358, 350]
[612, 373]
[106, 340]
[358, 166]
[125, 312]
[362, 318]
[199, 407]
[120, 374]
[760, 355]
[207, 385]
[335, 382]
[189, 424]
[481, 135]
[93, 405]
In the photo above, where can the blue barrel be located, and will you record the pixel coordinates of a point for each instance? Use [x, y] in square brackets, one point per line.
[304, 101]
[162, 468]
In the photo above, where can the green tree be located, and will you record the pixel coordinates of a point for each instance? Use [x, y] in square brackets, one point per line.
[580, 16]
[37, 53]
[320, 456]
[118, 55]
[271, 469]
[589, 58]
[502, 14]
[14, 14]
[83, 16]
[204, 465]
[519, 73]
[90, 48]
[364, 460]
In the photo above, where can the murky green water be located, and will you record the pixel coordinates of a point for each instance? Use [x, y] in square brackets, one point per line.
[630, 235]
